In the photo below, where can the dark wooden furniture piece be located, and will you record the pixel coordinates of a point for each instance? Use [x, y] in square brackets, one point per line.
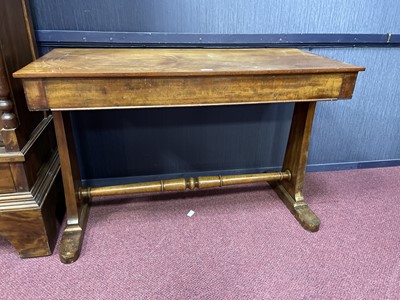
[74, 79]
[29, 161]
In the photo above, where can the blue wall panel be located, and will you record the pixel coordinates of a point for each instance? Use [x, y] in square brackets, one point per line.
[181, 140]
[366, 128]
[220, 16]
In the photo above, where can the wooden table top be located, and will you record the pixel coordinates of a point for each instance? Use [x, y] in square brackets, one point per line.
[64, 63]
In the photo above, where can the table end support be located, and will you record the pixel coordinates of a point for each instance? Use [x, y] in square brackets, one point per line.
[71, 241]
[301, 211]
[291, 191]
[77, 209]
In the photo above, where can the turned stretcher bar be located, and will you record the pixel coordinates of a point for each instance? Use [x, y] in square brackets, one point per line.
[181, 184]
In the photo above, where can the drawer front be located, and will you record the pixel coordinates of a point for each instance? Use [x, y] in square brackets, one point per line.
[6, 179]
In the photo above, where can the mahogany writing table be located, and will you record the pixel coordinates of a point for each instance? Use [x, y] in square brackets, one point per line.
[86, 79]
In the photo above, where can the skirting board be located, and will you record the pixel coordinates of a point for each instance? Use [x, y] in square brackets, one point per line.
[310, 168]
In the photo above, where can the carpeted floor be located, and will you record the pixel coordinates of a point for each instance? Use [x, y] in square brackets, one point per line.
[241, 243]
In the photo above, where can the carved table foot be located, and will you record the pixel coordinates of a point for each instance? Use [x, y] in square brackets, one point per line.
[71, 242]
[303, 214]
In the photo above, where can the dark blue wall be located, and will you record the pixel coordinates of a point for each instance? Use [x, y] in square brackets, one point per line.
[182, 140]
[366, 128]
[163, 141]
[220, 16]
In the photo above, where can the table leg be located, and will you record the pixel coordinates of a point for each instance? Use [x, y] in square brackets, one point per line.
[77, 210]
[291, 191]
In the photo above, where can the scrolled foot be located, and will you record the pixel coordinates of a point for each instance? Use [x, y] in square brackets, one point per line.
[307, 218]
[303, 214]
[71, 241]
[70, 247]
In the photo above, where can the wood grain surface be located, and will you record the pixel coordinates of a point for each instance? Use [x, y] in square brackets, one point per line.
[29, 193]
[6, 179]
[178, 62]
[74, 93]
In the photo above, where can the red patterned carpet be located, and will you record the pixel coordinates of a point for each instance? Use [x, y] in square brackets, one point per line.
[241, 243]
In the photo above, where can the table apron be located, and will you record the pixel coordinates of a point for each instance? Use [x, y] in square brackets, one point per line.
[137, 92]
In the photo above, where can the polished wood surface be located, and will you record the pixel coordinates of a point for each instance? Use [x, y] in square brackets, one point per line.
[291, 191]
[182, 184]
[73, 79]
[77, 209]
[297, 147]
[6, 179]
[17, 51]
[28, 159]
[83, 79]
[4, 87]
[62, 94]
[32, 245]
[179, 62]
[8, 119]
[69, 164]
[29, 220]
